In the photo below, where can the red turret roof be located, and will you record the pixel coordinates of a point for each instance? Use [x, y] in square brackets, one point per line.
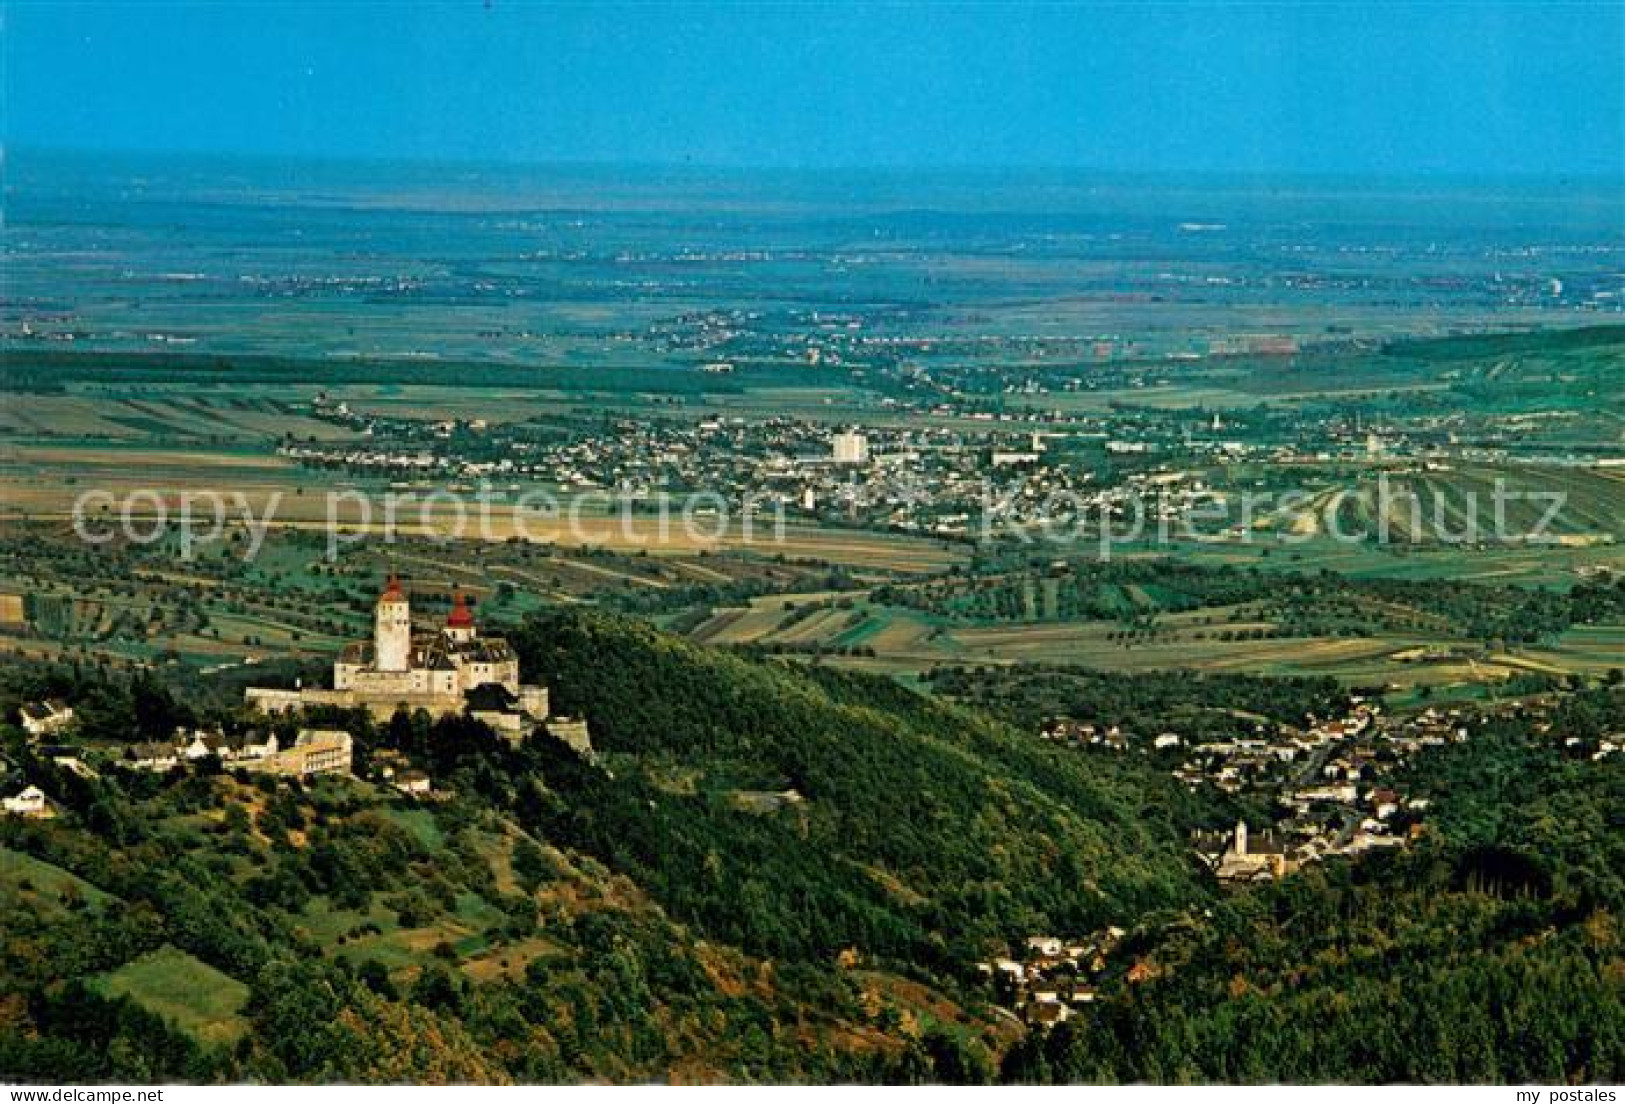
[460, 617]
[392, 590]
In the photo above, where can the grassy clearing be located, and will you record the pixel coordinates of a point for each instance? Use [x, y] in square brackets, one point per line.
[328, 925]
[421, 823]
[192, 995]
[40, 887]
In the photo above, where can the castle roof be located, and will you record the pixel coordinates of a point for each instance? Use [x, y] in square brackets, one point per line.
[392, 590]
[460, 617]
[1265, 843]
[435, 652]
[433, 659]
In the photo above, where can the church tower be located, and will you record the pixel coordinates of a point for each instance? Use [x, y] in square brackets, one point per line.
[392, 629]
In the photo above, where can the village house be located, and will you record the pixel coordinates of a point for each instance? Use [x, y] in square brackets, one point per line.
[1384, 803]
[200, 745]
[415, 783]
[314, 751]
[1046, 1010]
[19, 799]
[1044, 946]
[1372, 835]
[189, 747]
[153, 756]
[1340, 795]
[41, 718]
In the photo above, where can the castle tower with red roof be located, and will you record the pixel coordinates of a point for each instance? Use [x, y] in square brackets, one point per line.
[460, 621]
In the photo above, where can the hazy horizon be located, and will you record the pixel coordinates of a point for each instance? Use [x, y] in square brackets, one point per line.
[1398, 92]
[33, 175]
[1425, 178]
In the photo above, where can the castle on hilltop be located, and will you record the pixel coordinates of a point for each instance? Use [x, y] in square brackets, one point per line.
[442, 666]
[444, 672]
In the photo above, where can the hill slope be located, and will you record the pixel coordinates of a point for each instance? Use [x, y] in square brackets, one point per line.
[925, 833]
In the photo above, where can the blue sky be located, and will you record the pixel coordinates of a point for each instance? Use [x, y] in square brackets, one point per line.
[1374, 88]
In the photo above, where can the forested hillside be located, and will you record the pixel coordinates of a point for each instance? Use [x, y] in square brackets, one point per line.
[924, 833]
[788, 873]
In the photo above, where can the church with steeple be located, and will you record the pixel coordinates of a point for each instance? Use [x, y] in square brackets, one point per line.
[444, 671]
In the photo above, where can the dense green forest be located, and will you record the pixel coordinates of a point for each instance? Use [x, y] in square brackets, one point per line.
[550, 918]
[926, 833]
